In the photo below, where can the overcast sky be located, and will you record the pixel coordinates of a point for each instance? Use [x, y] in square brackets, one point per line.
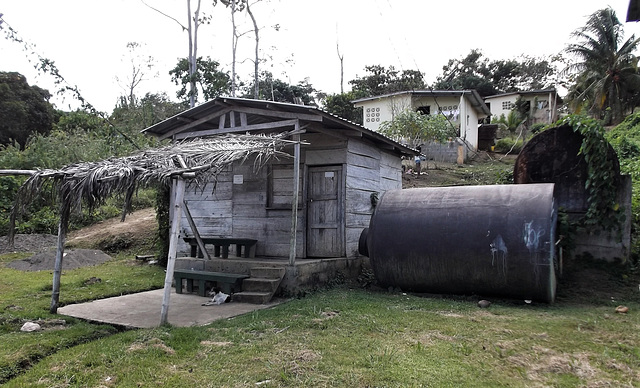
[87, 39]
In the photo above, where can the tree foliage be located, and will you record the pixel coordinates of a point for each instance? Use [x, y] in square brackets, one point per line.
[145, 112]
[340, 105]
[211, 81]
[78, 136]
[415, 128]
[24, 109]
[625, 139]
[475, 71]
[511, 122]
[603, 209]
[380, 80]
[606, 73]
[274, 89]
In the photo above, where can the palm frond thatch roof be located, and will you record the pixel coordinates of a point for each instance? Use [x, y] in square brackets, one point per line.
[93, 182]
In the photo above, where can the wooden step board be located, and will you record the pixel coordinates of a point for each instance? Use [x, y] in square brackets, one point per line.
[261, 286]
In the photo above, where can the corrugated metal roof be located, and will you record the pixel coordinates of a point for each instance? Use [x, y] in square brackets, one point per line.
[207, 117]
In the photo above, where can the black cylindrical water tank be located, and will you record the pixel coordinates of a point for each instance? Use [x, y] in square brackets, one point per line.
[485, 240]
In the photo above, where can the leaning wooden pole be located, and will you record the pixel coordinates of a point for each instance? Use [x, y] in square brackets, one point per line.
[177, 204]
[196, 234]
[57, 269]
[294, 199]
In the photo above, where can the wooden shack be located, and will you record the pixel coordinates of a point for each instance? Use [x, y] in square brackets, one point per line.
[341, 168]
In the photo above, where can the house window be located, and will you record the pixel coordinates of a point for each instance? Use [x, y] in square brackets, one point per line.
[425, 110]
[507, 105]
[280, 187]
[373, 115]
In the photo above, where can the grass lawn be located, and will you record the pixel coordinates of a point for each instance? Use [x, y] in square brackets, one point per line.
[335, 338]
[342, 337]
[27, 296]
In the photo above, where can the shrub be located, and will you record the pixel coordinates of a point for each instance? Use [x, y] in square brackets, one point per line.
[44, 220]
[509, 145]
[625, 139]
[504, 177]
[538, 127]
[78, 137]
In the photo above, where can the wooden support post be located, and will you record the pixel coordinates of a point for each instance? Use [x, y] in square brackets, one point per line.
[294, 199]
[173, 246]
[57, 269]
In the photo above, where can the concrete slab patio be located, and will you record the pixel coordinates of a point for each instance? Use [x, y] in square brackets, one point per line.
[142, 310]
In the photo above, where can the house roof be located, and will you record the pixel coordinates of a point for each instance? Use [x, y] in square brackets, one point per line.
[211, 118]
[523, 93]
[472, 95]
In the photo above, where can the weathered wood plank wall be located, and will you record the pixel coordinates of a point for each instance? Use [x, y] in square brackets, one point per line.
[237, 207]
[257, 204]
[369, 170]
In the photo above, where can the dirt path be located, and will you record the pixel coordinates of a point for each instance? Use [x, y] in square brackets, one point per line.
[138, 222]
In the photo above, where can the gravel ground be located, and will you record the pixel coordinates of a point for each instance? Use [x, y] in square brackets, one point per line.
[28, 243]
[44, 248]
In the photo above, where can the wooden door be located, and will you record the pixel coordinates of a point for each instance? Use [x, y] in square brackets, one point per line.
[325, 221]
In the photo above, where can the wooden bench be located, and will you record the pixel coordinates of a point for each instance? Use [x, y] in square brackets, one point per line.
[228, 282]
[221, 246]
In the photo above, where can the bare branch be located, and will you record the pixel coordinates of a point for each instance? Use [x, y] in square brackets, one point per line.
[164, 14]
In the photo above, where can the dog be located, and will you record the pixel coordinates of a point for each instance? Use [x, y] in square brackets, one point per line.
[219, 297]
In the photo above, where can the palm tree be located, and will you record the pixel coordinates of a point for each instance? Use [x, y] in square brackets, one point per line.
[607, 76]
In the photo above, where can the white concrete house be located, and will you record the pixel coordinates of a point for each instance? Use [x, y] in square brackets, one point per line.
[543, 104]
[464, 108]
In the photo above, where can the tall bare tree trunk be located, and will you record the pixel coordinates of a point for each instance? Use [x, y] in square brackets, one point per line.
[256, 62]
[234, 47]
[341, 57]
[193, 51]
[192, 30]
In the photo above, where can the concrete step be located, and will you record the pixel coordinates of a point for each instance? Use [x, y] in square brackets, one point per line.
[252, 297]
[260, 285]
[267, 272]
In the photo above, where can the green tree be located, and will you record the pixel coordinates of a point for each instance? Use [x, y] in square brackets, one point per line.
[381, 80]
[606, 73]
[211, 81]
[145, 112]
[24, 109]
[340, 105]
[414, 128]
[474, 71]
[470, 72]
[274, 89]
[511, 122]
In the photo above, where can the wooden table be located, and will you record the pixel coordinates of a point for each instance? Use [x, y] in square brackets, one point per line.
[221, 246]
